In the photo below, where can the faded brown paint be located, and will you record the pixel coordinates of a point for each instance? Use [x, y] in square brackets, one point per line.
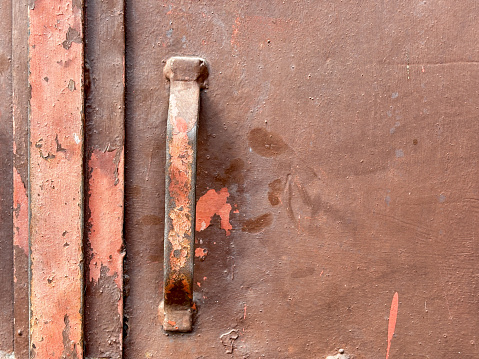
[6, 245]
[361, 116]
[56, 180]
[20, 175]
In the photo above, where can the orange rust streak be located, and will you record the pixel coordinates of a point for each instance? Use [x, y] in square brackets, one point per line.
[212, 203]
[56, 169]
[106, 213]
[392, 320]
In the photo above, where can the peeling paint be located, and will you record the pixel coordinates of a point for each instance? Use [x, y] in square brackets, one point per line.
[201, 253]
[20, 212]
[181, 156]
[212, 203]
[106, 213]
[56, 184]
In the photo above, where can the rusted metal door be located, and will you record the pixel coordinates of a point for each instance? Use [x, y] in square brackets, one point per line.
[336, 178]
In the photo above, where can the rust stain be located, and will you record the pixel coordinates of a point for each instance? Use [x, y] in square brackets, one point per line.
[265, 143]
[212, 203]
[56, 116]
[276, 188]
[392, 321]
[257, 224]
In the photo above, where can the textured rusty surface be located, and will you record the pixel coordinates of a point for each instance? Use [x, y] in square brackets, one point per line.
[186, 75]
[56, 178]
[20, 174]
[104, 183]
[6, 245]
[345, 135]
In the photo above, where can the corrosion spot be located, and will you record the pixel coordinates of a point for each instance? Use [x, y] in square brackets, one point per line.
[71, 85]
[265, 143]
[257, 224]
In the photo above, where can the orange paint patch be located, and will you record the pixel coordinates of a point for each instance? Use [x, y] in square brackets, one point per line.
[392, 320]
[212, 203]
[201, 253]
[20, 210]
[106, 213]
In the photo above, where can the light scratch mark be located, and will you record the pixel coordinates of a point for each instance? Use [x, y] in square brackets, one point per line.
[392, 320]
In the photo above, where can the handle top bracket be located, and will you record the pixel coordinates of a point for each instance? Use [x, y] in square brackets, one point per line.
[186, 68]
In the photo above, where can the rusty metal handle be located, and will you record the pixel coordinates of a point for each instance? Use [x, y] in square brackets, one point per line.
[187, 76]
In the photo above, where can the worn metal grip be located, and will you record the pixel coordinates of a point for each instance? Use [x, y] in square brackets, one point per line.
[187, 76]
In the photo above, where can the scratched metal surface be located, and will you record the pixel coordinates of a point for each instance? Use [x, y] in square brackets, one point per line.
[337, 178]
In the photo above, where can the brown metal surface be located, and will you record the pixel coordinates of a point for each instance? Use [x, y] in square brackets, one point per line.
[6, 245]
[104, 183]
[56, 178]
[186, 75]
[337, 166]
[20, 174]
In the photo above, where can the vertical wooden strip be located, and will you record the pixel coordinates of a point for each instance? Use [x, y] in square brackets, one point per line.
[20, 174]
[56, 178]
[104, 188]
[6, 247]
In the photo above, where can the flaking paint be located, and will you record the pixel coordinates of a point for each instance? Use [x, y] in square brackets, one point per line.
[56, 180]
[180, 172]
[210, 204]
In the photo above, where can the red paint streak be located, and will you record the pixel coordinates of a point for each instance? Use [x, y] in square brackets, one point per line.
[244, 314]
[20, 218]
[106, 214]
[212, 203]
[392, 320]
[201, 252]
[56, 178]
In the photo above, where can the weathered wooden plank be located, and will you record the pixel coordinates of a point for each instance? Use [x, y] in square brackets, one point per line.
[104, 141]
[6, 247]
[20, 174]
[56, 178]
